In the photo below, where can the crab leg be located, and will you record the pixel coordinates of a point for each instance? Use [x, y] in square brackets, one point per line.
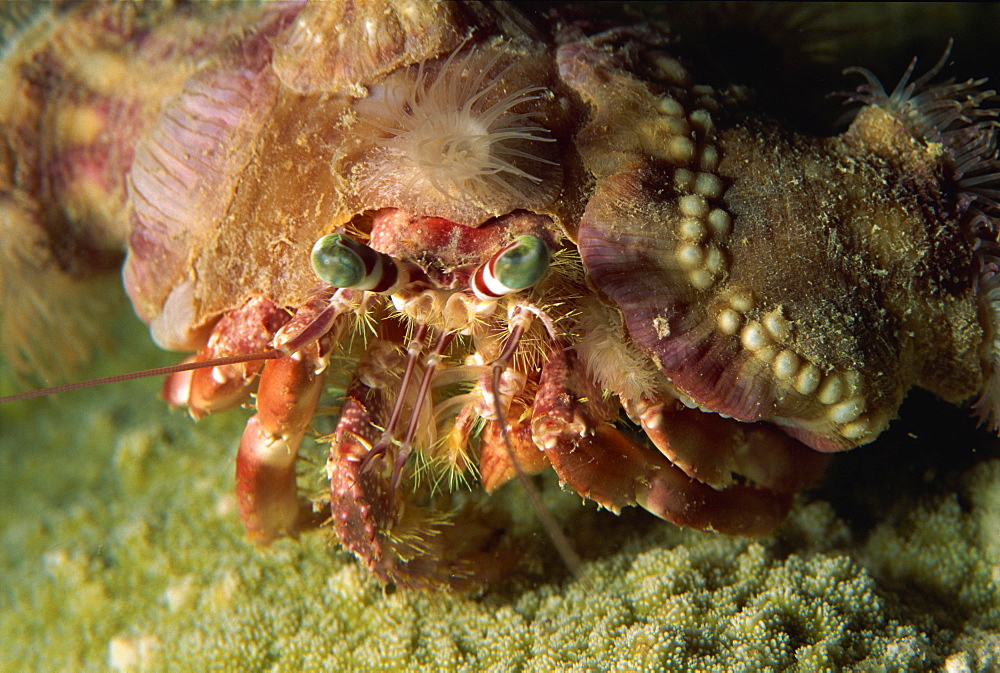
[396, 538]
[430, 366]
[287, 397]
[265, 465]
[507, 446]
[601, 463]
[519, 318]
[246, 329]
[496, 466]
[711, 449]
[360, 500]
[413, 350]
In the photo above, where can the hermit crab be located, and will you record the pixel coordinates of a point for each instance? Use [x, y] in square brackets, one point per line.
[505, 245]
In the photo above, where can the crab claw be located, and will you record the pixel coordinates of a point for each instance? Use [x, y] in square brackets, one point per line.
[287, 397]
[496, 465]
[265, 465]
[361, 500]
[245, 329]
[713, 449]
[569, 422]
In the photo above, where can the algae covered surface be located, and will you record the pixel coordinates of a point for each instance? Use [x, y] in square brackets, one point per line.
[121, 549]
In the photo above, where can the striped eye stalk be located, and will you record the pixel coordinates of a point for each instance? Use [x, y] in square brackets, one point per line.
[516, 267]
[343, 262]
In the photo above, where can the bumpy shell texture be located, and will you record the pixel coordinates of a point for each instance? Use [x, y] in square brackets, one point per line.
[808, 282]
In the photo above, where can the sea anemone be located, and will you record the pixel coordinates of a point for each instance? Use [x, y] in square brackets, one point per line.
[459, 139]
[953, 115]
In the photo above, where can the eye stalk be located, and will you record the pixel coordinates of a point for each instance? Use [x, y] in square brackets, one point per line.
[341, 261]
[516, 267]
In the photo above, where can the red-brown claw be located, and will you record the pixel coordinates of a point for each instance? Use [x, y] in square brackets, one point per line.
[360, 500]
[397, 535]
[246, 329]
[265, 465]
[593, 458]
[176, 390]
[738, 510]
[496, 467]
[715, 450]
[569, 424]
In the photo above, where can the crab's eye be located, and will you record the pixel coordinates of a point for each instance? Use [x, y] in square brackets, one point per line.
[517, 267]
[343, 262]
[339, 261]
[522, 263]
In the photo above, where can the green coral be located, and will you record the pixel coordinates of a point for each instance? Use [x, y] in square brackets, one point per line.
[121, 548]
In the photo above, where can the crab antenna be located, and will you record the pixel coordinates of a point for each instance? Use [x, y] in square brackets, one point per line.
[413, 350]
[425, 383]
[273, 354]
[559, 540]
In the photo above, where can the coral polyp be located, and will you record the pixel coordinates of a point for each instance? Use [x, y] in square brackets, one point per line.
[462, 139]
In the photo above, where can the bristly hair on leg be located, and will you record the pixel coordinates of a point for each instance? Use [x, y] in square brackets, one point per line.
[549, 523]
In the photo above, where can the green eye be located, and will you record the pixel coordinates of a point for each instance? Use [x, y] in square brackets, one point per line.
[341, 261]
[337, 262]
[521, 264]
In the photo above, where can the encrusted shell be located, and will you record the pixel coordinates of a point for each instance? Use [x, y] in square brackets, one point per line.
[806, 282]
[265, 149]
